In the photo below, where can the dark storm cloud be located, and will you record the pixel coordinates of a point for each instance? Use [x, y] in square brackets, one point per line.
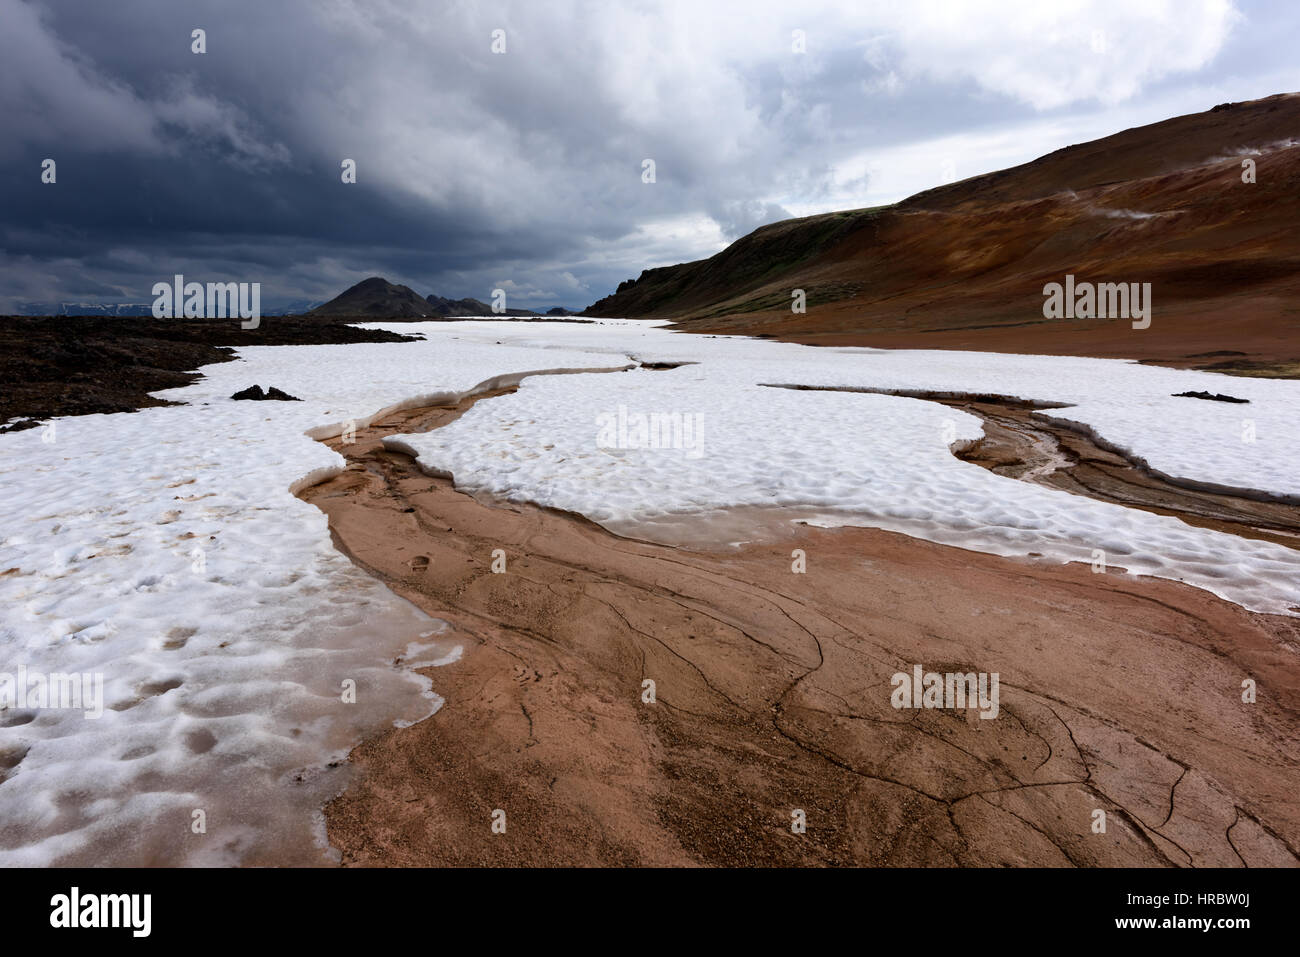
[522, 169]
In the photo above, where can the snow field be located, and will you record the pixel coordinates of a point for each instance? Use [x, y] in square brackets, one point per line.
[163, 550]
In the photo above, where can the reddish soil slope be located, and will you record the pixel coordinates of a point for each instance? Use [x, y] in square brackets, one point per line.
[963, 266]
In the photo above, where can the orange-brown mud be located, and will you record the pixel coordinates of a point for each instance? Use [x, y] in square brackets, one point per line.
[772, 695]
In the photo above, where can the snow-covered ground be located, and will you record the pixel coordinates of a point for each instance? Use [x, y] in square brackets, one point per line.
[165, 551]
[878, 460]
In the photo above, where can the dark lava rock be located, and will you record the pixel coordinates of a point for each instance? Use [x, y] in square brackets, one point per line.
[255, 392]
[77, 365]
[1212, 396]
[20, 425]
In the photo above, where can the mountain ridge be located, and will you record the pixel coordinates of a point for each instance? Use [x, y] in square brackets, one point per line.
[964, 265]
[376, 297]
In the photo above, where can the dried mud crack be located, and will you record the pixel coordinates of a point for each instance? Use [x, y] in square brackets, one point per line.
[772, 695]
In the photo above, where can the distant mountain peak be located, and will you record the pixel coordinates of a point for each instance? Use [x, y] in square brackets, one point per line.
[376, 297]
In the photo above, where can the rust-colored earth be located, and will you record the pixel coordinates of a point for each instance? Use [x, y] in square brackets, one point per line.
[963, 266]
[1120, 695]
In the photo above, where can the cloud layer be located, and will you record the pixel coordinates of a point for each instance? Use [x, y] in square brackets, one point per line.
[524, 168]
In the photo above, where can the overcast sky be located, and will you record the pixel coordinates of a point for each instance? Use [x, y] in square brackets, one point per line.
[524, 169]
